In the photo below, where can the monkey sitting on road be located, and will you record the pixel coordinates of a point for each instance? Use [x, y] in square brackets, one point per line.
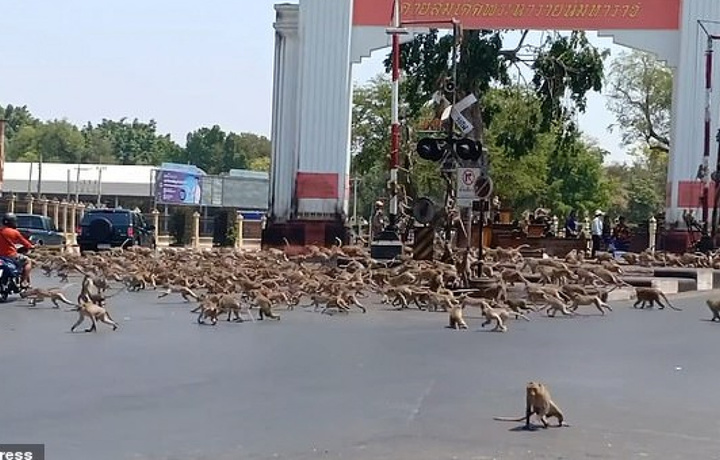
[652, 295]
[538, 402]
[714, 305]
[94, 313]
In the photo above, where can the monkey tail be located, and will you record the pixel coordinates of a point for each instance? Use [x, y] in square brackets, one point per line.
[509, 419]
[668, 302]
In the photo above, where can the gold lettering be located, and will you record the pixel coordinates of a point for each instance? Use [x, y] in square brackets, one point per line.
[519, 10]
[634, 10]
[423, 8]
[405, 8]
[625, 9]
[616, 10]
[503, 10]
[446, 10]
[607, 9]
[465, 9]
[581, 10]
[488, 10]
[595, 11]
[477, 10]
[557, 10]
[435, 10]
[531, 8]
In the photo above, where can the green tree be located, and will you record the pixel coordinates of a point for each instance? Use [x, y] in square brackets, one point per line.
[640, 96]
[562, 65]
[134, 142]
[53, 141]
[16, 118]
[214, 151]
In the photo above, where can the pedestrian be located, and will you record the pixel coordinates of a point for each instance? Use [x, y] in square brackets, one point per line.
[622, 235]
[571, 225]
[378, 220]
[596, 230]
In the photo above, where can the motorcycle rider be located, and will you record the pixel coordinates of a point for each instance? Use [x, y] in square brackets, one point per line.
[9, 237]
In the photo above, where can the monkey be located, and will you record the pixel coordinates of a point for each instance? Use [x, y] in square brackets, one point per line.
[95, 313]
[714, 305]
[185, 292]
[652, 295]
[538, 402]
[555, 305]
[590, 300]
[518, 305]
[456, 318]
[265, 307]
[232, 306]
[209, 311]
[36, 295]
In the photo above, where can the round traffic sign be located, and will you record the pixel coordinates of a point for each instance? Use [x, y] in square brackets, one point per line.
[483, 188]
[468, 177]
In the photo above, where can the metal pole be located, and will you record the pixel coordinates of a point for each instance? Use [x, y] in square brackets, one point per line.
[716, 178]
[68, 185]
[30, 178]
[2, 150]
[77, 185]
[706, 146]
[99, 193]
[395, 109]
[39, 184]
[355, 216]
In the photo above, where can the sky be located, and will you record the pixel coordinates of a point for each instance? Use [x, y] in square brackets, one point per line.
[184, 64]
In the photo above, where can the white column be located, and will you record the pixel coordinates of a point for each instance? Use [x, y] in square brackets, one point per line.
[689, 107]
[324, 114]
[285, 111]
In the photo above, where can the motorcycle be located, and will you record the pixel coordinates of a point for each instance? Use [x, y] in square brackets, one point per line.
[10, 276]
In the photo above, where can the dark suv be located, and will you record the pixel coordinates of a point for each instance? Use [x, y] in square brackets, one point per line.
[110, 228]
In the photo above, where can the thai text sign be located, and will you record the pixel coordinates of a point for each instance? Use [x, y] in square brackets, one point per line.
[177, 187]
[531, 14]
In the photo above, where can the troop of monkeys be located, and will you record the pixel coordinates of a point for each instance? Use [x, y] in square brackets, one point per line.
[232, 283]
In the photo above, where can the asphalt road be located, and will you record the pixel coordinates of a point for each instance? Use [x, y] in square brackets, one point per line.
[385, 385]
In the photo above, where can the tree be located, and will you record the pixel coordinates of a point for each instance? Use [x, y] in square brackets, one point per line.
[16, 118]
[640, 96]
[53, 141]
[214, 151]
[562, 65]
[134, 142]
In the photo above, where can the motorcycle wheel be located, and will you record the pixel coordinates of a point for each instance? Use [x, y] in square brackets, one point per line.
[3, 296]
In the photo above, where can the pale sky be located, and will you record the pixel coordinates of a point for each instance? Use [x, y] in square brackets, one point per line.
[185, 64]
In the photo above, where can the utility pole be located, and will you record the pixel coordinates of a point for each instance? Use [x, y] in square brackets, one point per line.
[99, 189]
[395, 120]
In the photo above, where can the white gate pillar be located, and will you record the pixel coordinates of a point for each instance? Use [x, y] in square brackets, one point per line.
[285, 111]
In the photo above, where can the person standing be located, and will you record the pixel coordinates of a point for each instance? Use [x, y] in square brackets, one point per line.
[378, 220]
[571, 225]
[596, 230]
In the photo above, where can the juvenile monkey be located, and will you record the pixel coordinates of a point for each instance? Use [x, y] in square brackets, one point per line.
[714, 305]
[538, 402]
[652, 295]
[95, 313]
[590, 300]
[456, 318]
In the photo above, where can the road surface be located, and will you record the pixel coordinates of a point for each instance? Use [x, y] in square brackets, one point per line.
[384, 385]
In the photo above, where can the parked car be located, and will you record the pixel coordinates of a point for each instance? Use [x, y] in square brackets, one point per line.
[40, 230]
[102, 229]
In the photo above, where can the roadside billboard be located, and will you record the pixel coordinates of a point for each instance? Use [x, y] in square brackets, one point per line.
[178, 187]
